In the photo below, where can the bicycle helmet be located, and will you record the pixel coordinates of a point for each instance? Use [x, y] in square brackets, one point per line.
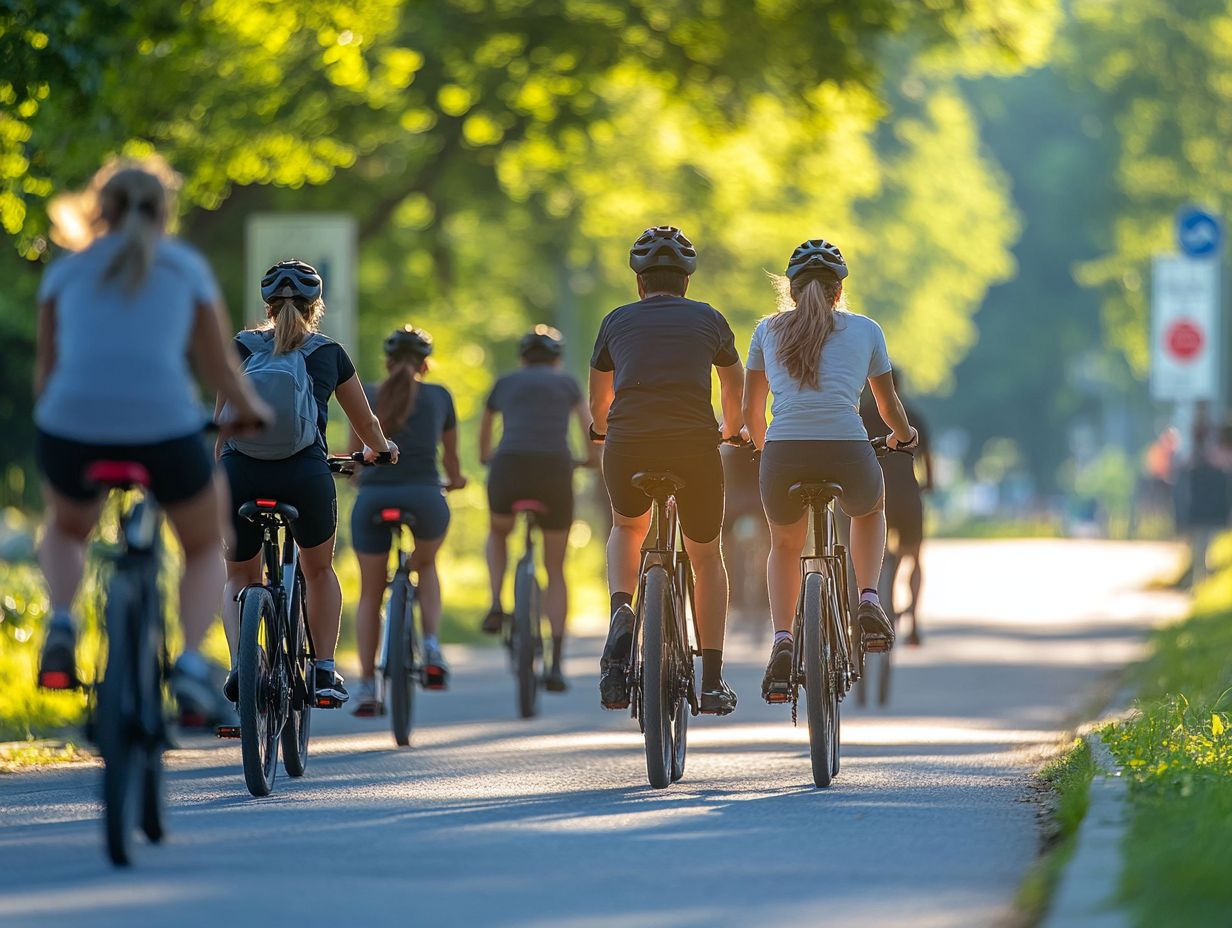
[291, 279]
[543, 343]
[663, 246]
[816, 254]
[408, 342]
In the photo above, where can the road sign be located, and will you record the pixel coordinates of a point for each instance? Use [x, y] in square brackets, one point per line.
[327, 241]
[1199, 233]
[1184, 328]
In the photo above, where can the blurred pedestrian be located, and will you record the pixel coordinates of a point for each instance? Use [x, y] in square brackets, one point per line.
[1206, 497]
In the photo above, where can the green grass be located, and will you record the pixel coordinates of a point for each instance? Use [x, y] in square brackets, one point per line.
[1066, 781]
[1177, 750]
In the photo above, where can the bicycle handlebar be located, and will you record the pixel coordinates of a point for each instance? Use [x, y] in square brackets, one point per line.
[881, 445]
[345, 463]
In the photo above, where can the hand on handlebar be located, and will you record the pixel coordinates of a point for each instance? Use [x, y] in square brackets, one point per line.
[457, 482]
[908, 446]
[381, 457]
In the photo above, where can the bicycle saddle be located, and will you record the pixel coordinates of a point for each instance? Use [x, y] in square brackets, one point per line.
[256, 509]
[816, 493]
[658, 484]
[529, 505]
[117, 474]
[393, 516]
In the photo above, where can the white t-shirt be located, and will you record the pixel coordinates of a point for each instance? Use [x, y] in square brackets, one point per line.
[853, 352]
[121, 374]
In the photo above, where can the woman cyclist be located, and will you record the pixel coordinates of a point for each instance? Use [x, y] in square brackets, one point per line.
[533, 462]
[267, 466]
[118, 322]
[419, 416]
[814, 357]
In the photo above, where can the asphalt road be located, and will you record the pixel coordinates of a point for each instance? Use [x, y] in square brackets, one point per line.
[487, 820]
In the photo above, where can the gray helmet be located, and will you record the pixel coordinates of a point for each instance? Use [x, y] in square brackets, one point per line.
[663, 246]
[816, 254]
[543, 343]
[291, 279]
[408, 342]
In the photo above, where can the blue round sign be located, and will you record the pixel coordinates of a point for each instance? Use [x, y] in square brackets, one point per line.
[1199, 233]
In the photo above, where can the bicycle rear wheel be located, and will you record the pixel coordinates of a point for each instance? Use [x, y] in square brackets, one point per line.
[658, 687]
[299, 720]
[526, 644]
[117, 723]
[683, 656]
[400, 658]
[260, 724]
[820, 700]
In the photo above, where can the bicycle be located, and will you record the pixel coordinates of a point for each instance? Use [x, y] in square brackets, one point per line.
[398, 660]
[129, 720]
[882, 662]
[825, 664]
[524, 635]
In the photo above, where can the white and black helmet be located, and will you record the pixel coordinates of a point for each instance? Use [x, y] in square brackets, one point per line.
[408, 343]
[542, 343]
[291, 279]
[816, 254]
[663, 247]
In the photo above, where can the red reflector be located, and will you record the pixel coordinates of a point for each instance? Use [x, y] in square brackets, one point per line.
[56, 680]
[391, 515]
[267, 503]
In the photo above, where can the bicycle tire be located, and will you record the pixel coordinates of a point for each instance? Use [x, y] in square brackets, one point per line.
[819, 699]
[259, 722]
[115, 725]
[153, 798]
[680, 722]
[525, 618]
[838, 616]
[151, 655]
[400, 659]
[298, 726]
[658, 689]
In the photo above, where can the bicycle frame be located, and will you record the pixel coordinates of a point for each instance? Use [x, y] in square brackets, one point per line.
[404, 567]
[280, 557]
[824, 555]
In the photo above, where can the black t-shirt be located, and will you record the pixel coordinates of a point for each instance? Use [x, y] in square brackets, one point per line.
[328, 366]
[535, 404]
[899, 468]
[432, 416]
[661, 350]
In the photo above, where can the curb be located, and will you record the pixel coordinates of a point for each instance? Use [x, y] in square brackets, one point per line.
[1086, 896]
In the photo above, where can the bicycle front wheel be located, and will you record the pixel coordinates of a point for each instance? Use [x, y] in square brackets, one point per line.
[260, 724]
[525, 639]
[117, 724]
[820, 701]
[658, 686]
[299, 719]
[400, 659]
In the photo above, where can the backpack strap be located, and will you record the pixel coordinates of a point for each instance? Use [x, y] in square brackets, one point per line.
[255, 341]
[313, 342]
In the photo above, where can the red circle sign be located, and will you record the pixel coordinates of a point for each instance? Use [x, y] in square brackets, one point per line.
[1184, 340]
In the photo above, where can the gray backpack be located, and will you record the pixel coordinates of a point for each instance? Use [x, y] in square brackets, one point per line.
[281, 380]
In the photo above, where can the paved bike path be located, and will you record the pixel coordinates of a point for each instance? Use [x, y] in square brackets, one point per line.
[487, 820]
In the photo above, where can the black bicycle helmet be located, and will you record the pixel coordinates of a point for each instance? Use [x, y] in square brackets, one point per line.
[408, 342]
[816, 254]
[543, 343]
[663, 246]
[291, 279]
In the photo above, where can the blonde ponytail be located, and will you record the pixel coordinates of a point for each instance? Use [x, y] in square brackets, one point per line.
[804, 322]
[291, 325]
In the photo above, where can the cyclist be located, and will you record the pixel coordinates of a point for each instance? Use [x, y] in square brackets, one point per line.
[117, 324]
[650, 397]
[814, 357]
[419, 416]
[291, 466]
[904, 505]
[533, 461]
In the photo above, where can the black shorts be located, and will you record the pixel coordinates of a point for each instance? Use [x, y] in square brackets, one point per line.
[904, 505]
[699, 502]
[425, 501]
[547, 478]
[851, 464]
[179, 469]
[304, 481]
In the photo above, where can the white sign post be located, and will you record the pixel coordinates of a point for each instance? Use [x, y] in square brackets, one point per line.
[327, 241]
[1185, 336]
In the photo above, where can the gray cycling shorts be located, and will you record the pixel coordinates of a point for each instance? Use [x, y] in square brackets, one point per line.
[851, 464]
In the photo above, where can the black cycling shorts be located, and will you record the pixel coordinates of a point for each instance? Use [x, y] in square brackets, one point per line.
[547, 478]
[424, 501]
[851, 464]
[904, 503]
[304, 481]
[179, 469]
[699, 502]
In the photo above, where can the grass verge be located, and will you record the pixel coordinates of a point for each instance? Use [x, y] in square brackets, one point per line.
[1177, 750]
[1065, 782]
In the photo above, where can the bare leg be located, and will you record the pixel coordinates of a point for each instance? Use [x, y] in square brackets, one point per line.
[868, 539]
[428, 584]
[710, 590]
[783, 571]
[498, 555]
[324, 596]
[624, 552]
[62, 550]
[915, 581]
[196, 522]
[373, 576]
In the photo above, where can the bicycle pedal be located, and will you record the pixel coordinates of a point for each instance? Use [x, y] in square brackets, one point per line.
[325, 702]
[368, 710]
[228, 731]
[876, 644]
[434, 678]
[778, 694]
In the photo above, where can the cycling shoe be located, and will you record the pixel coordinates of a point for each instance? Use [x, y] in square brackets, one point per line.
[776, 684]
[876, 626]
[58, 662]
[719, 701]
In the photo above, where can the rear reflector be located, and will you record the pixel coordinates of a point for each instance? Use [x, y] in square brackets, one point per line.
[56, 680]
[267, 503]
[391, 515]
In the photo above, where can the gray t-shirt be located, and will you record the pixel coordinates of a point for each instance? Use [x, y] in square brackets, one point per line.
[121, 373]
[432, 416]
[535, 404]
[854, 352]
